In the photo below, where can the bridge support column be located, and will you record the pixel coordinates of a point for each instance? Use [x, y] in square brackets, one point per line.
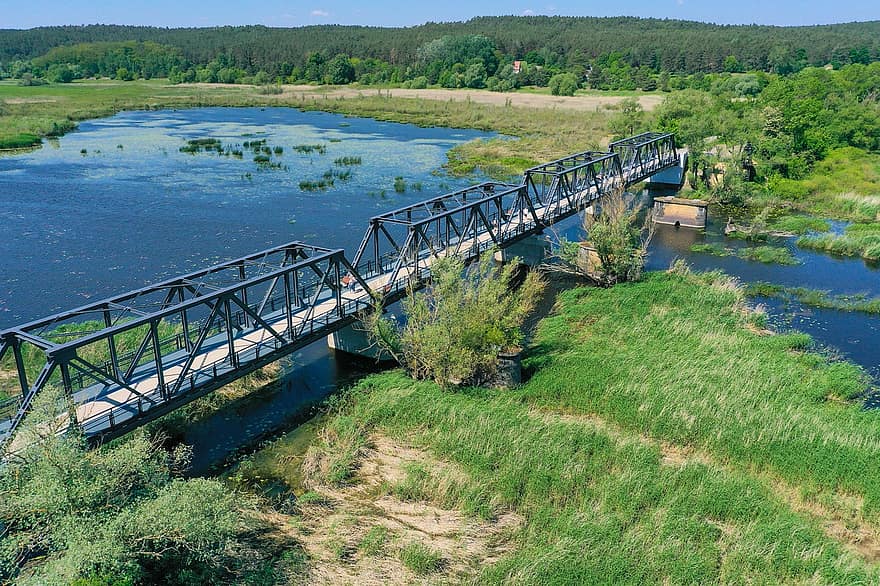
[672, 177]
[353, 339]
[531, 251]
[687, 213]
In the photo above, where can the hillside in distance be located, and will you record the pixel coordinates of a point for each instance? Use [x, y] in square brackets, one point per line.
[660, 44]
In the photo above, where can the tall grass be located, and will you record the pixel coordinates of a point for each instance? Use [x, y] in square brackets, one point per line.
[642, 448]
[815, 297]
[858, 240]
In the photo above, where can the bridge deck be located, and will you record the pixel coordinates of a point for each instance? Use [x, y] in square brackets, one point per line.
[456, 224]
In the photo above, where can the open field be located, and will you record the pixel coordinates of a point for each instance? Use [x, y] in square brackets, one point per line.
[584, 101]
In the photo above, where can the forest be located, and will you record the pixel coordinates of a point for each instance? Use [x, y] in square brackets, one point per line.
[621, 53]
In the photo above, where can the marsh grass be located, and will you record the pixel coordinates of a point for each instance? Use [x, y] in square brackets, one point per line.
[815, 297]
[543, 134]
[420, 559]
[858, 240]
[638, 452]
[799, 224]
[766, 254]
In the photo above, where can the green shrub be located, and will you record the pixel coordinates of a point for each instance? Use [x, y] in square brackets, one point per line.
[420, 559]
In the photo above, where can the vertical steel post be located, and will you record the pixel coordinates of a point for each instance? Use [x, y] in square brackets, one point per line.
[244, 296]
[288, 303]
[184, 321]
[157, 358]
[233, 360]
[19, 366]
[337, 286]
[111, 344]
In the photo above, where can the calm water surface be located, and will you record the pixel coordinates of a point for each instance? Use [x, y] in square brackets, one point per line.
[132, 209]
[116, 205]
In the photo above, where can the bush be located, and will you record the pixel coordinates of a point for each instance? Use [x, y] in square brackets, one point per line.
[455, 329]
[419, 83]
[563, 84]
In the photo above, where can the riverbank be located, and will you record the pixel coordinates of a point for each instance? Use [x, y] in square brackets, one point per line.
[663, 436]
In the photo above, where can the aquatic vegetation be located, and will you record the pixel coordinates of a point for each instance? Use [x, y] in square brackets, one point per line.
[347, 161]
[321, 185]
[338, 174]
[711, 248]
[278, 150]
[815, 297]
[334, 140]
[83, 151]
[768, 254]
[858, 240]
[310, 148]
[799, 224]
[399, 184]
[765, 254]
[198, 145]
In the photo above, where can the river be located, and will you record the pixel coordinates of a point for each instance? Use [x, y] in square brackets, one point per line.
[116, 205]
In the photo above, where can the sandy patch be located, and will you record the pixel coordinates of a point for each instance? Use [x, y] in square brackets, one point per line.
[333, 530]
[30, 100]
[589, 103]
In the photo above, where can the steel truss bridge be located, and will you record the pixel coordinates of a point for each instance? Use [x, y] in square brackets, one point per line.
[132, 358]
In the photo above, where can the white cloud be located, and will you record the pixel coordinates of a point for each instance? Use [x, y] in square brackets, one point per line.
[679, 2]
[528, 12]
[318, 12]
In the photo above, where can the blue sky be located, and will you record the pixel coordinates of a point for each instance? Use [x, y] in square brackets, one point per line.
[31, 13]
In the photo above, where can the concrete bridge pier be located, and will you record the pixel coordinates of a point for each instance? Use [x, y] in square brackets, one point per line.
[354, 339]
[531, 251]
[671, 177]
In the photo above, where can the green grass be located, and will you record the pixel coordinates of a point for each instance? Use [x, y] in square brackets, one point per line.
[799, 224]
[623, 380]
[373, 543]
[766, 254]
[815, 297]
[858, 240]
[420, 559]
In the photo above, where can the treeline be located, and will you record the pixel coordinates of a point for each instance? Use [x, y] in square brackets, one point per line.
[619, 52]
[793, 123]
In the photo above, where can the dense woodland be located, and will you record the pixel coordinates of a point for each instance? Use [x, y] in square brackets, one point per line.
[603, 53]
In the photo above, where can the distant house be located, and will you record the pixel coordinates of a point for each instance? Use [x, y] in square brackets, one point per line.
[517, 67]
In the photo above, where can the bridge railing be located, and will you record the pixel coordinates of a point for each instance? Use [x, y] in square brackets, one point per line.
[167, 343]
[160, 349]
[645, 154]
[563, 187]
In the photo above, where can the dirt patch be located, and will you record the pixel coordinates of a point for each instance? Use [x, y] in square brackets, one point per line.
[354, 534]
[586, 103]
[839, 514]
[30, 100]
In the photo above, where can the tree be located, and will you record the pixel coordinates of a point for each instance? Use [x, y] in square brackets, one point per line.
[340, 70]
[629, 118]
[455, 329]
[621, 245]
[475, 76]
[60, 74]
[563, 84]
[68, 513]
[124, 74]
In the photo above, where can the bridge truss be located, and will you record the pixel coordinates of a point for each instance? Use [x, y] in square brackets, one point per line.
[129, 359]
